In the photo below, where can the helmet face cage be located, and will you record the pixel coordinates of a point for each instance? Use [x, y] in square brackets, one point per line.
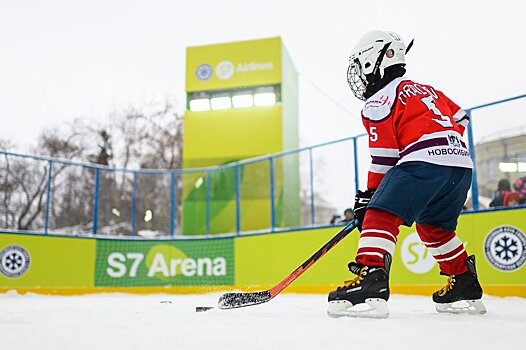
[355, 80]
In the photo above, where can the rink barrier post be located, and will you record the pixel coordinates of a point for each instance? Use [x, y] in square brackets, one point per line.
[356, 170]
[134, 206]
[272, 199]
[96, 191]
[474, 184]
[238, 199]
[207, 205]
[48, 196]
[172, 204]
[311, 174]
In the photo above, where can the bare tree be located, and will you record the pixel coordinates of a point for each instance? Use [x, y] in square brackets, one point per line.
[6, 186]
[104, 153]
[25, 181]
[149, 136]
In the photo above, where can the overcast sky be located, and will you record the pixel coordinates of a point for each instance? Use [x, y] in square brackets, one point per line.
[65, 59]
[62, 59]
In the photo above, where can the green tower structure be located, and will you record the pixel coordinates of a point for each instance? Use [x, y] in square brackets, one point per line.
[242, 102]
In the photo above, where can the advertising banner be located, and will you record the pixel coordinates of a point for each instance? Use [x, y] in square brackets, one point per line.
[121, 263]
[232, 65]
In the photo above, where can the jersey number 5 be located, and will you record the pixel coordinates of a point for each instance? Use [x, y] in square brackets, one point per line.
[444, 120]
[373, 136]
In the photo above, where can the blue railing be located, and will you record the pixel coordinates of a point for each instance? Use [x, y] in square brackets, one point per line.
[274, 162]
[208, 191]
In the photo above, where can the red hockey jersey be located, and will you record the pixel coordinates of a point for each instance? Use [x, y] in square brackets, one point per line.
[408, 121]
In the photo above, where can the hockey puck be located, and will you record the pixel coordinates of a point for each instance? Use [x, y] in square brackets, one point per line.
[203, 308]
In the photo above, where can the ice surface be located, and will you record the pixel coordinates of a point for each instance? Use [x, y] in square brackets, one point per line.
[290, 321]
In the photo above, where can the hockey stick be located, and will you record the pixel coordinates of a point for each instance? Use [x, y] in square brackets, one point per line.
[235, 300]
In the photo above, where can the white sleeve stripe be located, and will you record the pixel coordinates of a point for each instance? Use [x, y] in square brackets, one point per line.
[451, 257]
[374, 242]
[384, 152]
[459, 115]
[380, 169]
[448, 247]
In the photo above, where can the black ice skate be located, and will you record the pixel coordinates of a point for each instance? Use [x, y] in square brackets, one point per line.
[369, 288]
[463, 287]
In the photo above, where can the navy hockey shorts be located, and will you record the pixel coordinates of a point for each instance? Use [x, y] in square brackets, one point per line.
[423, 192]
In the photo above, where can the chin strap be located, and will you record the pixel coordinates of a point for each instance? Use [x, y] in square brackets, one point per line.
[380, 58]
[375, 77]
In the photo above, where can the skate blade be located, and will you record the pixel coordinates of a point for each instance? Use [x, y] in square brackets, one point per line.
[473, 307]
[372, 308]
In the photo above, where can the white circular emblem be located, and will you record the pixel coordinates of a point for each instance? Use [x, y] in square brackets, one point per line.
[505, 248]
[14, 261]
[203, 72]
[415, 256]
[225, 70]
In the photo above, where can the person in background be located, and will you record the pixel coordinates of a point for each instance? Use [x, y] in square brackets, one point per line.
[511, 199]
[520, 187]
[348, 216]
[335, 219]
[503, 188]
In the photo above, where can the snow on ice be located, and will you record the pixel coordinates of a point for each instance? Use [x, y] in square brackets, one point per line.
[290, 321]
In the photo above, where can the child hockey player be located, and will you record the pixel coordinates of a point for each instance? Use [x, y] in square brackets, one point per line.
[420, 172]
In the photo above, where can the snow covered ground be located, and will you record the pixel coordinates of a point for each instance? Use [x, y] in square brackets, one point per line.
[290, 321]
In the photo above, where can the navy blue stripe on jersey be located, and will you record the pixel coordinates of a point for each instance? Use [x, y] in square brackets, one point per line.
[384, 160]
[439, 141]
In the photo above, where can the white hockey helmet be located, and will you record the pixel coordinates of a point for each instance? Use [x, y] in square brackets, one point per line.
[374, 52]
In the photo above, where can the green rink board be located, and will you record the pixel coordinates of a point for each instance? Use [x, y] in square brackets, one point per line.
[45, 261]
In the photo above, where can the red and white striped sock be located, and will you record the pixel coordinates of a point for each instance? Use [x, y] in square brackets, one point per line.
[378, 236]
[445, 246]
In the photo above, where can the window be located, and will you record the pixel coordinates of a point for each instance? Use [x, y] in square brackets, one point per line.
[223, 102]
[200, 105]
[262, 96]
[243, 101]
